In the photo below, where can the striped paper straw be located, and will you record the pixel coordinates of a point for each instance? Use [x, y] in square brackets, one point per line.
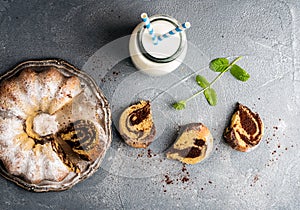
[148, 25]
[178, 29]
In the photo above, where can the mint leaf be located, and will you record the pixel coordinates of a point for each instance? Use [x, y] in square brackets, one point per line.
[179, 105]
[219, 64]
[211, 96]
[239, 73]
[202, 82]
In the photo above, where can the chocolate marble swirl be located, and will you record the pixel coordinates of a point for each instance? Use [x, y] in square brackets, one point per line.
[193, 144]
[136, 125]
[245, 131]
[82, 137]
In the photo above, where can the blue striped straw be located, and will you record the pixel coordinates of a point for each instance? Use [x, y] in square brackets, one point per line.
[148, 25]
[178, 29]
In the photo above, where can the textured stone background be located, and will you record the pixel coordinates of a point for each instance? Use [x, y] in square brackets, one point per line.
[86, 34]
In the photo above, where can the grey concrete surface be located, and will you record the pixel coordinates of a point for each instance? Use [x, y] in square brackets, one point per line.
[93, 35]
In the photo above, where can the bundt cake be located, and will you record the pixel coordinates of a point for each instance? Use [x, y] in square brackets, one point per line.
[43, 139]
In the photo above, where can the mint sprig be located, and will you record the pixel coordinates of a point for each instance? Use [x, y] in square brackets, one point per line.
[221, 65]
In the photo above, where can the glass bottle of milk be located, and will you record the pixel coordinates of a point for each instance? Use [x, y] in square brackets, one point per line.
[160, 59]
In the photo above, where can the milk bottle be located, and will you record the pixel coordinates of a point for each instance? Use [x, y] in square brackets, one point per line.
[160, 59]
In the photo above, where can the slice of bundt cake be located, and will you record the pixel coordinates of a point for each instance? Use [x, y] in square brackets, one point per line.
[136, 125]
[245, 130]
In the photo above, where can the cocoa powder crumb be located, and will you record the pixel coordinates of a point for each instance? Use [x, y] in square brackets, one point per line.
[168, 180]
[255, 179]
[116, 73]
[183, 176]
[149, 155]
[185, 179]
[183, 168]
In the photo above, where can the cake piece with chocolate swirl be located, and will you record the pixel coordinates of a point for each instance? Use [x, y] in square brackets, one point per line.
[193, 144]
[82, 137]
[136, 125]
[245, 130]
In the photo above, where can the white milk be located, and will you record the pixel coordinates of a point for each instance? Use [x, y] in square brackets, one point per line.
[158, 59]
